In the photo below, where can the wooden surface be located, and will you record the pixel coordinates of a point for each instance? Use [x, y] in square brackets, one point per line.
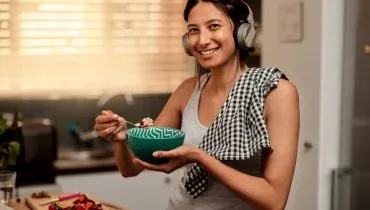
[29, 203]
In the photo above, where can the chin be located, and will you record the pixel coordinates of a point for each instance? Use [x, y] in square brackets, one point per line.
[210, 65]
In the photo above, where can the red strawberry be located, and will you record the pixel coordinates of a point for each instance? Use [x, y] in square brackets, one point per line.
[80, 208]
[52, 207]
[82, 198]
[89, 205]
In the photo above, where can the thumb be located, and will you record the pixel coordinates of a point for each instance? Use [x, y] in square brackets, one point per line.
[165, 154]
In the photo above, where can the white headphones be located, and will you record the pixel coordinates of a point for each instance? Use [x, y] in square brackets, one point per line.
[244, 33]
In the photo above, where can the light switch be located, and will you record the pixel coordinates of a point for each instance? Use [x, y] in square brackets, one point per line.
[291, 21]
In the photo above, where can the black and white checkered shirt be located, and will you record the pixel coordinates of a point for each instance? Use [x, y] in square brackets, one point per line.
[239, 131]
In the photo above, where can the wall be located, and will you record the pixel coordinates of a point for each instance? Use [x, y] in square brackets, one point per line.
[82, 111]
[315, 66]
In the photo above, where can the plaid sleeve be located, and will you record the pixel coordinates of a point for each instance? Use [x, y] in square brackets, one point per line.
[269, 79]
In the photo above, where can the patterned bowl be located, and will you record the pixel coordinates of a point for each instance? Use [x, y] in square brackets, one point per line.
[144, 141]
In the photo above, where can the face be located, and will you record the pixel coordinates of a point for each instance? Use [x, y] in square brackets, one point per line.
[210, 34]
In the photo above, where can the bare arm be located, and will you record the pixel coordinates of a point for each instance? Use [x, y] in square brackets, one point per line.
[272, 190]
[124, 160]
[113, 127]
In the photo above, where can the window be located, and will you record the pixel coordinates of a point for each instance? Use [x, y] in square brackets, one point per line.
[83, 48]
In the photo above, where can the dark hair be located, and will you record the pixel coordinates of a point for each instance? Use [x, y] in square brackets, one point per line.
[236, 10]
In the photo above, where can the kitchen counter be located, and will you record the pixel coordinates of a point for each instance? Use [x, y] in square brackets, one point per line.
[69, 162]
[22, 205]
[84, 166]
[72, 161]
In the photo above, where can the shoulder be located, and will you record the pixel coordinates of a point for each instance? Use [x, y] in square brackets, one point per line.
[283, 98]
[263, 75]
[183, 92]
[283, 89]
[187, 86]
[266, 79]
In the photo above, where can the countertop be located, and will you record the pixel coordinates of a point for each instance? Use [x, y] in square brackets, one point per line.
[71, 161]
[22, 205]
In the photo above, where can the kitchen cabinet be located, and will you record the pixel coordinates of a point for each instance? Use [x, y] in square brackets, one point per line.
[147, 191]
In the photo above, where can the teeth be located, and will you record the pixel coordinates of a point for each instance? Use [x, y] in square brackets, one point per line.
[208, 52]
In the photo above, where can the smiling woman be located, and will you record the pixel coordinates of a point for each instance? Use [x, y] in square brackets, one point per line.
[242, 28]
[241, 124]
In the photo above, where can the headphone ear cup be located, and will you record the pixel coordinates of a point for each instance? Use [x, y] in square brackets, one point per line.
[245, 35]
[185, 44]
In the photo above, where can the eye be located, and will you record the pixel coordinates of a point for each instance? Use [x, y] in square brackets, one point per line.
[192, 30]
[214, 26]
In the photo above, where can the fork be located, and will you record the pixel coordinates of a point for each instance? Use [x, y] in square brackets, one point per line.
[131, 123]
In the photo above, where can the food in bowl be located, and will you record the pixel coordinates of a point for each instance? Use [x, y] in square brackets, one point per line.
[145, 123]
[143, 142]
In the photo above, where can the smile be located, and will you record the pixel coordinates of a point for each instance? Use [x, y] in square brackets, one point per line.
[209, 51]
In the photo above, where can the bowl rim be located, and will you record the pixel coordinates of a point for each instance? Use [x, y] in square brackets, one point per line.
[180, 136]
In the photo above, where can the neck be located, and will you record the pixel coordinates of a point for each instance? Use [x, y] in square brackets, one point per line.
[224, 77]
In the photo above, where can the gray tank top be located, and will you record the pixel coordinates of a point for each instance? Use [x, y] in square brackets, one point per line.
[217, 196]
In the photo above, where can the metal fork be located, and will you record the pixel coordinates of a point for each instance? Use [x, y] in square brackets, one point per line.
[131, 123]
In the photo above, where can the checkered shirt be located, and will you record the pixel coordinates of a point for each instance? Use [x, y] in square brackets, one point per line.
[239, 130]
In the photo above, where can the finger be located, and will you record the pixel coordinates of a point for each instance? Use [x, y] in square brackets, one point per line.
[160, 154]
[107, 112]
[117, 130]
[114, 115]
[102, 126]
[166, 154]
[121, 120]
[148, 165]
[123, 123]
[106, 118]
[107, 132]
[166, 167]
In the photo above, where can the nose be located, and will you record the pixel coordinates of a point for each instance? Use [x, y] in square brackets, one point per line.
[204, 38]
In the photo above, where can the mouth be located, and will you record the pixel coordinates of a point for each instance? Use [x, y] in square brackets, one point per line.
[209, 52]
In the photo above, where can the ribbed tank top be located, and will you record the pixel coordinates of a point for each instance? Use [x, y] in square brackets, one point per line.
[217, 196]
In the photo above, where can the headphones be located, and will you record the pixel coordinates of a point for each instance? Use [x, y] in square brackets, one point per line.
[244, 33]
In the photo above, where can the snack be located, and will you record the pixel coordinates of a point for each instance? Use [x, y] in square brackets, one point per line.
[41, 194]
[81, 203]
[145, 123]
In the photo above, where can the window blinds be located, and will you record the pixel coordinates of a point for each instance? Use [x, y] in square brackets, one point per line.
[84, 48]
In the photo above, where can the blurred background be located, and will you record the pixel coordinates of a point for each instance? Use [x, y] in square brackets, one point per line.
[63, 61]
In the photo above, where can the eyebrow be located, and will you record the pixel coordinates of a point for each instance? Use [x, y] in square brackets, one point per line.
[208, 22]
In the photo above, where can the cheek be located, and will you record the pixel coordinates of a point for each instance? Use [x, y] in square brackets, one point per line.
[227, 41]
[231, 45]
[192, 41]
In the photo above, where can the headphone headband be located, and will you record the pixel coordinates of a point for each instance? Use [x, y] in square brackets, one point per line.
[250, 17]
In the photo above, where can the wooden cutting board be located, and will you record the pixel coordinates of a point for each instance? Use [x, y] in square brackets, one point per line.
[34, 203]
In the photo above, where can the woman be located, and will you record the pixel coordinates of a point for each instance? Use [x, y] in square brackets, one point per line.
[241, 123]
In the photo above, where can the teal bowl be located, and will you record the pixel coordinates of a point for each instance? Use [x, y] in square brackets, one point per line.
[144, 141]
